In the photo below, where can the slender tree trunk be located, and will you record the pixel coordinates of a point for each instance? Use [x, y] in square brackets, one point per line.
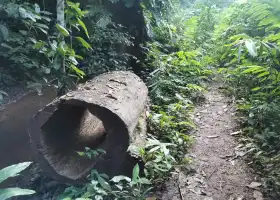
[60, 17]
[61, 21]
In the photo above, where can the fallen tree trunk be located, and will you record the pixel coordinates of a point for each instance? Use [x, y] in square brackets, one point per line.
[101, 114]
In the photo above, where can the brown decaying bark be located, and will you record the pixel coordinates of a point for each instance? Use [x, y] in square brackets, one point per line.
[102, 113]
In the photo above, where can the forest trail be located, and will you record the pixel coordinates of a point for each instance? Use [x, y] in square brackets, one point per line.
[219, 171]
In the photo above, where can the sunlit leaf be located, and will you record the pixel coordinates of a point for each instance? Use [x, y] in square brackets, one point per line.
[62, 30]
[135, 173]
[13, 170]
[251, 47]
[78, 71]
[117, 179]
[263, 74]
[84, 43]
[256, 88]
[104, 184]
[83, 26]
[12, 192]
[39, 45]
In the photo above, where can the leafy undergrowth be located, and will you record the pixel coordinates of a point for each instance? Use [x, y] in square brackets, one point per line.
[249, 52]
[242, 38]
[10, 172]
[175, 80]
[174, 70]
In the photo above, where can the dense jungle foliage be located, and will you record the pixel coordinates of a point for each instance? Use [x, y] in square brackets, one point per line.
[176, 47]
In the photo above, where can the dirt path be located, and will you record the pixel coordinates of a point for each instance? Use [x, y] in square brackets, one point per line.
[219, 171]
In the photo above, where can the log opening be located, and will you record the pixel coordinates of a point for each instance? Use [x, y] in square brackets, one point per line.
[101, 114]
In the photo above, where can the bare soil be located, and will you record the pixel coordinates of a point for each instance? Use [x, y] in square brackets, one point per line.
[219, 170]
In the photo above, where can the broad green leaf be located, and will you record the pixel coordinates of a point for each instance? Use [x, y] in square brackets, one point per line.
[3, 93]
[117, 179]
[46, 70]
[104, 184]
[78, 57]
[22, 12]
[154, 149]
[251, 47]
[39, 45]
[4, 32]
[12, 192]
[61, 50]
[251, 69]
[37, 8]
[56, 63]
[83, 26]
[135, 173]
[76, 7]
[43, 30]
[263, 74]
[272, 37]
[84, 43]
[46, 13]
[145, 181]
[44, 26]
[62, 30]
[275, 90]
[73, 60]
[6, 46]
[256, 88]
[13, 170]
[81, 153]
[79, 72]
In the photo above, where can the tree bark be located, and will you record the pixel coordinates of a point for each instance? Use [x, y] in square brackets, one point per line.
[60, 17]
[104, 113]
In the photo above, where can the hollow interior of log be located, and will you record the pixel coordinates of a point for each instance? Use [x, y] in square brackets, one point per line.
[73, 127]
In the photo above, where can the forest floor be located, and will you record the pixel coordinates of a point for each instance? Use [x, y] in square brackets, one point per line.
[219, 170]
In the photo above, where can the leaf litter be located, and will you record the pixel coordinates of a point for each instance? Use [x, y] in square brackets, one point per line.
[219, 171]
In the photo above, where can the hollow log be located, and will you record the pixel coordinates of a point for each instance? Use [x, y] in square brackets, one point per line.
[101, 114]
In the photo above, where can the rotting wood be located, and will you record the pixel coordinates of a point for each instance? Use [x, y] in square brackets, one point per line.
[88, 118]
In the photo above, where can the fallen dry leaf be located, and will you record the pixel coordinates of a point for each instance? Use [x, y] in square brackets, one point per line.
[232, 162]
[203, 173]
[235, 133]
[254, 185]
[258, 195]
[196, 191]
[213, 136]
[240, 153]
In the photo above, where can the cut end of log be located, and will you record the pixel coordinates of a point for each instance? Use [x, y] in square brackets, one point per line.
[89, 117]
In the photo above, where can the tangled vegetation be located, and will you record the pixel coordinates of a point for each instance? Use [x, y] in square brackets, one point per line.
[184, 41]
[250, 43]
